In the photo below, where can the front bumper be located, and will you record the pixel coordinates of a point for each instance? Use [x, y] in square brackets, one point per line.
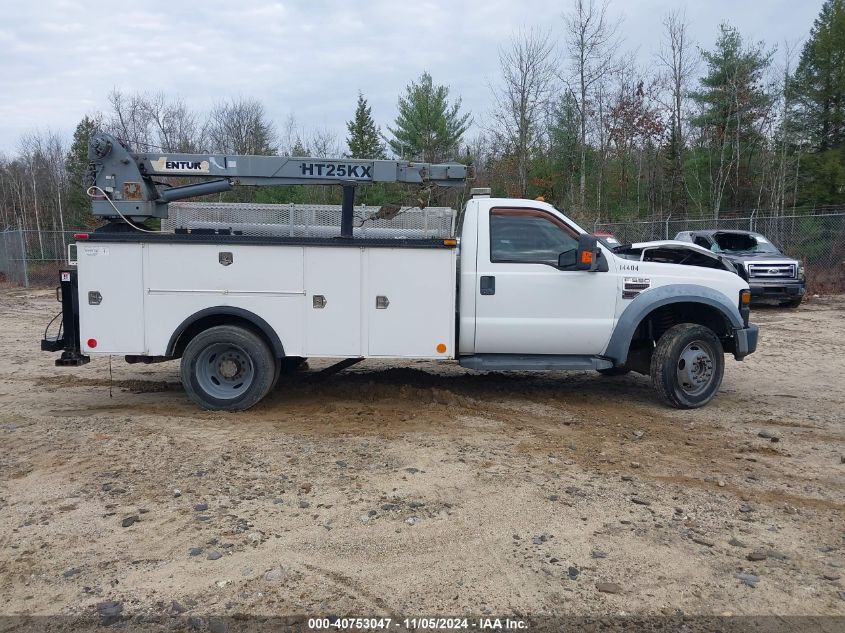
[777, 289]
[745, 341]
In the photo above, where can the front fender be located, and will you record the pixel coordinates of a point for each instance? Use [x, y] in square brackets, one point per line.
[646, 302]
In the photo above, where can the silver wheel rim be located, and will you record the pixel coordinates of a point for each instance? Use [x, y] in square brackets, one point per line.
[695, 368]
[224, 371]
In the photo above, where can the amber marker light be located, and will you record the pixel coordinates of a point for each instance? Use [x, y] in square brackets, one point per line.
[441, 348]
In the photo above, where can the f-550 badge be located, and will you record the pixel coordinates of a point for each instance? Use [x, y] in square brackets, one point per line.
[629, 267]
[632, 286]
[337, 170]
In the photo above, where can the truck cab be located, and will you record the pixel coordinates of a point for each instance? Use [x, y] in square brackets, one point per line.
[528, 302]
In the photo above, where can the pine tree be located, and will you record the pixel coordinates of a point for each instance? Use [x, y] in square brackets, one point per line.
[76, 164]
[428, 127]
[732, 101]
[364, 138]
[819, 91]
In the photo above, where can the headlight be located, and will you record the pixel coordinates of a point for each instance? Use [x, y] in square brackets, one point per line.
[801, 269]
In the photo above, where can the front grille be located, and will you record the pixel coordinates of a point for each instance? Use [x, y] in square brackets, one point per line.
[771, 271]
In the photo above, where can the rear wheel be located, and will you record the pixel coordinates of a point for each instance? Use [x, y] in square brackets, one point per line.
[687, 366]
[227, 368]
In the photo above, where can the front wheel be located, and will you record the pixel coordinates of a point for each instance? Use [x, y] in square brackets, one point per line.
[792, 303]
[227, 368]
[687, 366]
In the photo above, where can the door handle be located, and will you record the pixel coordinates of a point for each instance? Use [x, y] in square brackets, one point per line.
[488, 285]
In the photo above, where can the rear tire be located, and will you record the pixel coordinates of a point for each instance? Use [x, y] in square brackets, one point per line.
[227, 368]
[614, 371]
[687, 366]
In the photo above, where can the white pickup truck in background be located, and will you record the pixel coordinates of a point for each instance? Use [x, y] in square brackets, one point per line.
[523, 288]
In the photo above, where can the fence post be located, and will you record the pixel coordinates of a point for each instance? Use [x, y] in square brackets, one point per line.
[4, 255]
[23, 256]
[668, 217]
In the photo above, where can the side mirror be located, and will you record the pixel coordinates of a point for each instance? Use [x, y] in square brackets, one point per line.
[588, 252]
[567, 259]
[586, 257]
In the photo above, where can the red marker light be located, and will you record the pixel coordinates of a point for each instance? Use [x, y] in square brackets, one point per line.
[80, 236]
[92, 343]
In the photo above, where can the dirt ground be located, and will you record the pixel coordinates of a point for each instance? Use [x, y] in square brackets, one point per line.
[424, 489]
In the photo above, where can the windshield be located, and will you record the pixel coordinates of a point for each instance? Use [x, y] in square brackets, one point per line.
[743, 243]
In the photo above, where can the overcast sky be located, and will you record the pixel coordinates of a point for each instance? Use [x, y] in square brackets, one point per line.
[60, 58]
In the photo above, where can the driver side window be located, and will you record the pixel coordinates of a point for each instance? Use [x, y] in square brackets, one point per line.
[529, 236]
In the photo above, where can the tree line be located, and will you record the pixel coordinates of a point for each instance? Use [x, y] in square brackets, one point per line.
[572, 118]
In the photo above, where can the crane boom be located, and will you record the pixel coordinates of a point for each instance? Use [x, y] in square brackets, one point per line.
[124, 179]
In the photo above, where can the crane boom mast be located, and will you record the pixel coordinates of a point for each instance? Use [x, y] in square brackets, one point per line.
[123, 179]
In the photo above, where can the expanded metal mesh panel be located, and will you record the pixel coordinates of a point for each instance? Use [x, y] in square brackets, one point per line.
[311, 220]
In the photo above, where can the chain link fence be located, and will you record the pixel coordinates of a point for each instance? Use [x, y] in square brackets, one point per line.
[816, 239]
[33, 258]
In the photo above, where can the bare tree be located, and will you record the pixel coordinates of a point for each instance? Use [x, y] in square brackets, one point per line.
[153, 121]
[324, 143]
[590, 40]
[679, 62]
[788, 146]
[176, 128]
[240, 126]
[129, 119]
[528, 81]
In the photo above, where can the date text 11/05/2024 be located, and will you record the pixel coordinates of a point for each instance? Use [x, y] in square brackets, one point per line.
[489, 624]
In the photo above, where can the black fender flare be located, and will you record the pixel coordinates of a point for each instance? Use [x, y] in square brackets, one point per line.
[649, 300]
[252, 318]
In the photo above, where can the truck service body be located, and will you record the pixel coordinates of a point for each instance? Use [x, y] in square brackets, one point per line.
[522, 288]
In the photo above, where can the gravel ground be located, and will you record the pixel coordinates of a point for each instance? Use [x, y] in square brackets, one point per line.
[419, 488]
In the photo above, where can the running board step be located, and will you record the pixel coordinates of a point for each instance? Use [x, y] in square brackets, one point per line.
[533, 362]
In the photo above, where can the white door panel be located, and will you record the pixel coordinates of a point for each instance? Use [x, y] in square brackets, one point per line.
[419, 285]
[536, 308]
[115, 272]
[335, 329]
[174, 268]
[181, 280]
[540, 310]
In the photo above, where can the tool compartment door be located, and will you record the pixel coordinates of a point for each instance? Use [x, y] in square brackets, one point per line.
[333, 302]
[409, 299]
[111, 298]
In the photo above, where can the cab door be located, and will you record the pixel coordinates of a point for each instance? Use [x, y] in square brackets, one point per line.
[525, 304]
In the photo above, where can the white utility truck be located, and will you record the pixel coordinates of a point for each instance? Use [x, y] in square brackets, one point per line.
[518, 287]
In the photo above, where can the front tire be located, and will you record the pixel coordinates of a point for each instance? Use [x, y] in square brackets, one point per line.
[687, 366]
[792, 303]
[227, 368]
